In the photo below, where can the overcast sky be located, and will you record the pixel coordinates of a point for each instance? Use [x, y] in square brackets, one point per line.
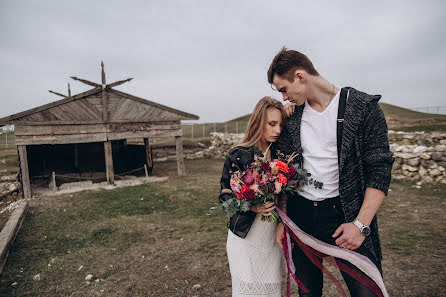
[210, 58]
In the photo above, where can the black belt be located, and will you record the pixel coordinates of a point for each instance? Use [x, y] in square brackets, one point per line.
[328, 202]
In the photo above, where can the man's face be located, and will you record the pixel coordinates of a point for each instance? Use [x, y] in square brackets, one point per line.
[291, 91]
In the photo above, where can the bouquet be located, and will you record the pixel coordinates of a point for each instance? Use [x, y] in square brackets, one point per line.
[263, 181]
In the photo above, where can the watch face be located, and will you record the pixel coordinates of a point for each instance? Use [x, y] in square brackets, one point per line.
[366, 231]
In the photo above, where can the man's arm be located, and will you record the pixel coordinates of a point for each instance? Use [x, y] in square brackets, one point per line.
[377, 166]
[351, 237]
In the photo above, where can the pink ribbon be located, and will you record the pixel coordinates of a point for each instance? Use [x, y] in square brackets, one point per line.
[317, 250]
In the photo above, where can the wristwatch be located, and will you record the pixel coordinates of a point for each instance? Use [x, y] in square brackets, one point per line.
[365, 230]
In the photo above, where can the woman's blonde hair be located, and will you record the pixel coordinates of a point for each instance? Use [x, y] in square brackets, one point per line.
[258, 119]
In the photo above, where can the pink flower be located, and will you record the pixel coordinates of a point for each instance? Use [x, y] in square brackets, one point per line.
[278, 187]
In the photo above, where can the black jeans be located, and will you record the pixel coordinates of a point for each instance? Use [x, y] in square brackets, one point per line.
[320, 220]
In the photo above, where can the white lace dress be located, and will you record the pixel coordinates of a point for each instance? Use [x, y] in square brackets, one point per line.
[255, 262]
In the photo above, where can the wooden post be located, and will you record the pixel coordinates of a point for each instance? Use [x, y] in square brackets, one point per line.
[76, 156]
[148, 151]
[109, 162]
[53, 177]
[147, 174]
[180, 156]
[104, 96]
[25, 173]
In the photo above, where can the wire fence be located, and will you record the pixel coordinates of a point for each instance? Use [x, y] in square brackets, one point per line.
[431, 109]
[205, 129]
[7, 141]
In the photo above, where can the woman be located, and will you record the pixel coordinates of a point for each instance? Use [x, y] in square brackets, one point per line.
[254, 258]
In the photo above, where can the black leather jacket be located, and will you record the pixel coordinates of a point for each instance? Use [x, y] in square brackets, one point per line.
[241, 157]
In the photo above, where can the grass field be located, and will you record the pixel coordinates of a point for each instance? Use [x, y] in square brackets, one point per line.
[156, 240]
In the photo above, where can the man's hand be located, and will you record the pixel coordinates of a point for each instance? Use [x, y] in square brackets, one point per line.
[279, 235]
[351, 237]
[289, 109]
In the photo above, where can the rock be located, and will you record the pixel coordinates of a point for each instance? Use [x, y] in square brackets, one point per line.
[80, 268]
[422, 171]
[441, 168]
[413, 162]
[440, 148]
[419, 149]
[406, 155]
[409, 168]
[89, 277]
[37, 277]
[425, 156]
[436, 156]
[443, 141]
[196, 287]
[14, 284]
[396, 166]
[434, 172]
[428, 179]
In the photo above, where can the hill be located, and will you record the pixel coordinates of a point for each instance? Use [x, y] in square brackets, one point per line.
[397, 118]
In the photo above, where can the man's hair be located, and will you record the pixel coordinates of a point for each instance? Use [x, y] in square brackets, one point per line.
[286, 62]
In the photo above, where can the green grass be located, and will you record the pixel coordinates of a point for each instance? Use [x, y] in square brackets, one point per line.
[156, 240]
[407, 114]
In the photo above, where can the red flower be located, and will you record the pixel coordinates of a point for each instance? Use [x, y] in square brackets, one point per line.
[282, 179]
[282, 166]
[247, 194]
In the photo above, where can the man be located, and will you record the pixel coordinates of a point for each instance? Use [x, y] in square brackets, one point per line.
[355, 176]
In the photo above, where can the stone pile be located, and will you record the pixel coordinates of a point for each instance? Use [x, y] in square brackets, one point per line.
[419, 155]
[9, 185]
[221, 143]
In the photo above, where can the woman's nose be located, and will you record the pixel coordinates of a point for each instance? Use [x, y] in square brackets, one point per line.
[284, 96]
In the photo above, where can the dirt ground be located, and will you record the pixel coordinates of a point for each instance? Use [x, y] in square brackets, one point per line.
[156, 240]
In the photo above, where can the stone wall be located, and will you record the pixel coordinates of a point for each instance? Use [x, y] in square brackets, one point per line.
[418, 155]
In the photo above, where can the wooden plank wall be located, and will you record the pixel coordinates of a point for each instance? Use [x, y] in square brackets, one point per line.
[63, 134]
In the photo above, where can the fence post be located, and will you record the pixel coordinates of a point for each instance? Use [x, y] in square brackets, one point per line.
[53, 178]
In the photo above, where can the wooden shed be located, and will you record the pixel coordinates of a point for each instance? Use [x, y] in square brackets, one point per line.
[98, 120]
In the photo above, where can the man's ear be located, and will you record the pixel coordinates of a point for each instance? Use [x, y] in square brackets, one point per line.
[299, 75]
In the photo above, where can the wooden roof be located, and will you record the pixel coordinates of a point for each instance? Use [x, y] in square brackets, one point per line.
[88, 108]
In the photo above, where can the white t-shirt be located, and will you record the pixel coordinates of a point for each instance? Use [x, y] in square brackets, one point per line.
[319, 150]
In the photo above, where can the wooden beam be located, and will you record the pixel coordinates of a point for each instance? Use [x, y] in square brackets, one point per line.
[69, 90]
[24, 171]
[180, 156]
[148, 151]
[61, 139]
[87, 82]
[59, 94]
[109, 162]
[117, 83]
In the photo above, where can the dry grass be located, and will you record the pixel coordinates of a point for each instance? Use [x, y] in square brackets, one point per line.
[155, 240]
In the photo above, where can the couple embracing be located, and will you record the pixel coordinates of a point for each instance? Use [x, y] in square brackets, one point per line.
[340, 136]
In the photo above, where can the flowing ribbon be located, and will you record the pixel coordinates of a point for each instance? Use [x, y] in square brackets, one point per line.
[317, 250]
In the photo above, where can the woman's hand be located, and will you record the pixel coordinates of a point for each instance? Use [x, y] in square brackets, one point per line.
[289, 109]
[264, 209]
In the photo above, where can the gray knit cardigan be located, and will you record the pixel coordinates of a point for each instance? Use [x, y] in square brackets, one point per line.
[365, 159]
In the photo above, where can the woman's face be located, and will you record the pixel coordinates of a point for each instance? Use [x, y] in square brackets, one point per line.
[273, 125]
